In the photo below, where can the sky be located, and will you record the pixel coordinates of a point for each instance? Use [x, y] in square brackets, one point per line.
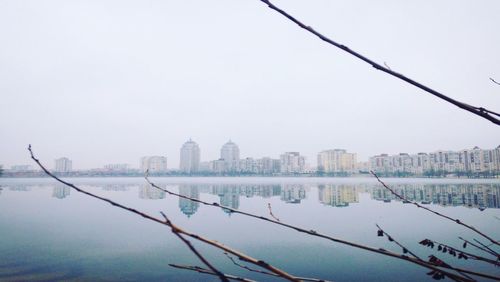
[111, 81]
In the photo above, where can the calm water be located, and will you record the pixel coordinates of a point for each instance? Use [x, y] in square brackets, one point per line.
[49, 232]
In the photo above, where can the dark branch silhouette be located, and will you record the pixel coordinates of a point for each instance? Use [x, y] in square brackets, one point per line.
[460, 254]
[268, 273]
[494, 81]
[390, 238]
[479, 111]
[208, 271]
[434, 212]
[406, 250]
[425, 264]
[178, 230]
[175, 230]
[489, 251]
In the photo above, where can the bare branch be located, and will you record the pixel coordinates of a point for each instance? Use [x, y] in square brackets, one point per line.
[489, 251]
[405, 250]
[218, 245]
[271, 212]
[175, 230]
[459, 253]
[496, 82]
[208, 271]
[320, 235]
[268, 273]
[434, 212]
[475, 110]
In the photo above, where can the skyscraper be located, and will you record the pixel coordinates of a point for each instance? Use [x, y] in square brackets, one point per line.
[63, 165]
[154, 164]
[230, 154]
[190, 157]
[292, 162]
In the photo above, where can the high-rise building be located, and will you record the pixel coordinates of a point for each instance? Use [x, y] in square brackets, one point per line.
[63, 165]
[230, 154]
[154, 164]
[190, 157]
[337, 160]
[292, 162]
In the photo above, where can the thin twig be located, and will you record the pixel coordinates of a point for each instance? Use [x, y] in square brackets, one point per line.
[271, 212]
[469, 255]
[213, 243]
[475, 110]
[495, 254]
[327, 237]
[494, 81]
[432, 211]
[405, 249]
[269, 273]
[208, 271]
[175, 230]
[486, 247]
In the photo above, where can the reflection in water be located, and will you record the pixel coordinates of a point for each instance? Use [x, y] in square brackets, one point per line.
[60, 191]
[117, 187]
[148, 192]
[189, 207]
[337, 195]
[20, 188]
[293, 193]
[469, 195]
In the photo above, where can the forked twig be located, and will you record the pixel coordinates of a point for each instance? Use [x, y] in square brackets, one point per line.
[406, 250]
[484, 113]
[327, 237]
[271, 212]
[178, 230]
[390, 238]
[175, 230]
[432, 211]
[467, 254]
[489, 251]
[208, 271]
[269, 273]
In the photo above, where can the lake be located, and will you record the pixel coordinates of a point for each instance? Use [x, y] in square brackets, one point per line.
[49, 232]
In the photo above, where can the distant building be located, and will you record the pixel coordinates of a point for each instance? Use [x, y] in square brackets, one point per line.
[230, 154]
[63, 165]
[154, 164]
[336, 161]
[21, 168]
[469, 161]
[292, 162]
[116, 167]
[190, 157]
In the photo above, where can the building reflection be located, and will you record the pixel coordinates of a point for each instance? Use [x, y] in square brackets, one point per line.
[117, 187]
[60, 191]
[293, 193]
[187, 206]
[20, 188]
[468, 195]
[148, 192]
[338, 195]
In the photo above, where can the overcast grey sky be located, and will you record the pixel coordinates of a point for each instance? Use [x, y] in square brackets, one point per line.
[110, 81]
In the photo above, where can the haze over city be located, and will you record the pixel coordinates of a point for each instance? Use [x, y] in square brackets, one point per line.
[110, 82]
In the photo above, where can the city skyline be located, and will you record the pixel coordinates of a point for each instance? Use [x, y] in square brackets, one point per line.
[331, 162]
[144, 86]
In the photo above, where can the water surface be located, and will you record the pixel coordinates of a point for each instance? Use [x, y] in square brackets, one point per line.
[50, 232]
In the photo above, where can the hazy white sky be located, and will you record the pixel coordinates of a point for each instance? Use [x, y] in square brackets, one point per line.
[110, 81]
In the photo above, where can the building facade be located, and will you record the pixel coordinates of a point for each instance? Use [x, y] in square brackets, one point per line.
[63, 165]
[154, 164]
[337, 161]
[190, 157]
